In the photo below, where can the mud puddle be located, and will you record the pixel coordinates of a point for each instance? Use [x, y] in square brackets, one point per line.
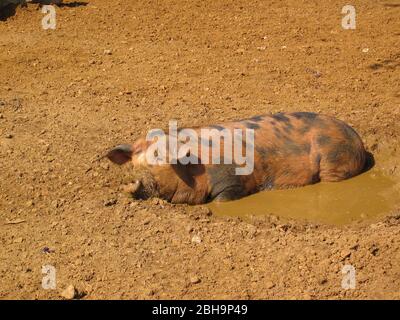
[366, 196]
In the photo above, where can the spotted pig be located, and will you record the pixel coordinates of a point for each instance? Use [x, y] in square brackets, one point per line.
[290, 150]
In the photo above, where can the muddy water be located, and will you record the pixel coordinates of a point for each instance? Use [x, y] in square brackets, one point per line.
[363, 197]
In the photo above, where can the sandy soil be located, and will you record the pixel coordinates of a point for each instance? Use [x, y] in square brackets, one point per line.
[111, 71]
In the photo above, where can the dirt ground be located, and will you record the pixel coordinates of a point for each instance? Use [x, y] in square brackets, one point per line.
[112, 70]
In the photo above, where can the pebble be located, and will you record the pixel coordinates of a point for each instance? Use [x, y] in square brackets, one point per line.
[374, 250]
[196, 239]
[195, 280]
[69, 293]
[30, 203]
[8, 136]
[18, 240]
[150, 292]
[107, 52]
[110, 202]
[47, 250]
[105, 166]
[345, 254]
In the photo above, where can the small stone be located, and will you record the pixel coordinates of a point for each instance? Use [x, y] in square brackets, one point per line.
[374, 250]
[307, 296]
[47, 250]
[30, 203]
[110, 202]
[18, 240]
[105, 166]
[269, 284]
[150, 292]
[8, 136]
[69, 293]
[107, 52]
[365, 50]
[206, 211]
[195, 280]
[78, 262]
[196, 239]
[377, 225]
[345, 254]
[133, 204]
[89, 276]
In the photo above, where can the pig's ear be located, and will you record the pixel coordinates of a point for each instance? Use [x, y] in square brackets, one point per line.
[120, 154]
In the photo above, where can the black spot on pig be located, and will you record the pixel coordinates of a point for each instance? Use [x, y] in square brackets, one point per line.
[339, 152]
[348, 132]
[257, 118]
[262, 152]
[306, 147]
[315, 178]
[206, 142]
[268, 183]
[288, 128]
[317, 160]
[281, 117]
[305, 116]
[277, 133]
[225, 184]
[323, 140]
[187, 172]
[304, 129]
[218, 127]
[285, 121]
[293, 148]
[369, 161]
[347, 175]
[251, 125]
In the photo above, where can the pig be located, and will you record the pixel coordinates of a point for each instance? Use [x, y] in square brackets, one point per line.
[290, 150]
